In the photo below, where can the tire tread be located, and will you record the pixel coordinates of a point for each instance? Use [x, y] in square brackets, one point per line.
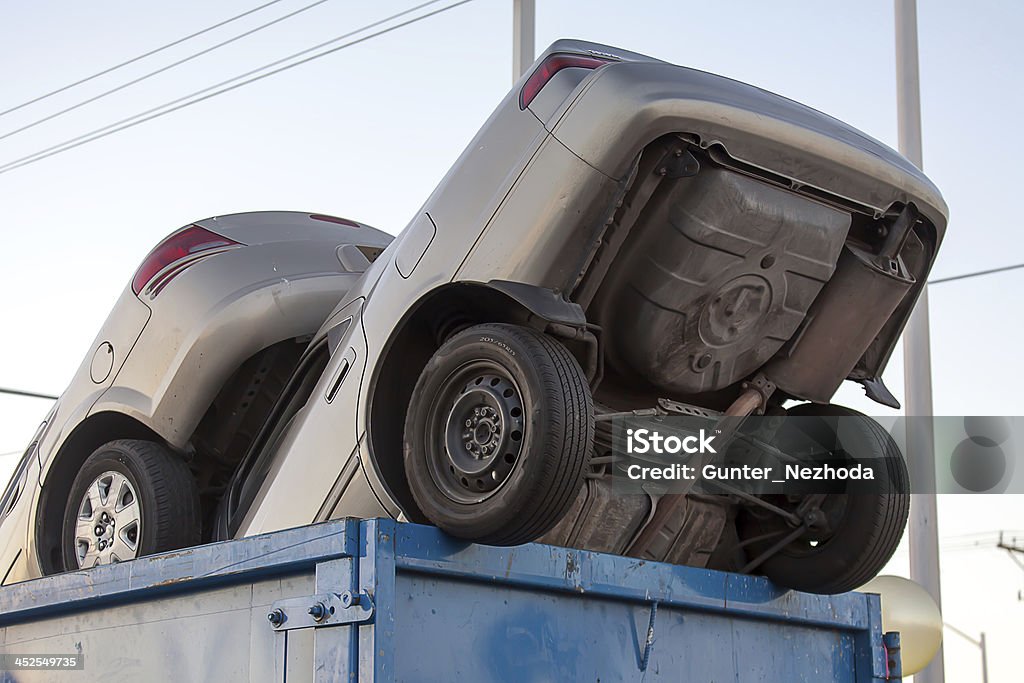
[563, 450]
[174, 519]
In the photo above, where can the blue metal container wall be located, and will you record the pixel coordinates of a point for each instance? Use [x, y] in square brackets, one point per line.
[432, 609]
[539, 613]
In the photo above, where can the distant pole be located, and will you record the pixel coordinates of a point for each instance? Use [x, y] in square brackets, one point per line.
[984, 658]
[981, 644]
[917, 361]
[524, 14]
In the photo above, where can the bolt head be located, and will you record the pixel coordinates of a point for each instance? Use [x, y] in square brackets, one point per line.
[317, 611]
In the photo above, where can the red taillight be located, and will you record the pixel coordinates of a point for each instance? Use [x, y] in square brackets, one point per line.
[552, 65]
[181, 244]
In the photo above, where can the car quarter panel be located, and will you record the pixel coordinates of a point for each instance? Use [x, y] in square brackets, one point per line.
[542, 231]
[213, 316]
[109, 350]
[461, 207]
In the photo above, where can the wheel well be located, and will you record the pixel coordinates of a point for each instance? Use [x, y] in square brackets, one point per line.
[436, 317]
[92, 433]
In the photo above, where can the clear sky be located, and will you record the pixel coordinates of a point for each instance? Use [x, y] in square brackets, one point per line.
[368, 132]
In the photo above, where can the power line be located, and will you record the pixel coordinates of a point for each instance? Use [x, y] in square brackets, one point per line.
[187, 100]
[976, 534]
[29, 394]
[161, 70]
[953, 278]
[984, 540]
[152, 52]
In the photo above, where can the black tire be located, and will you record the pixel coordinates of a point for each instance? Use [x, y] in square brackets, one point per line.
[168, 500]
[867, 519]
[532, 434]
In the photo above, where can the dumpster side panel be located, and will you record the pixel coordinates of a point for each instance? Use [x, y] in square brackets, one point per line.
[407, 603]
[538, 612]
[453, 630]
[219, 634]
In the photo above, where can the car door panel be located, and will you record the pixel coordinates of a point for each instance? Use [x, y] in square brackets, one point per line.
[320, 443]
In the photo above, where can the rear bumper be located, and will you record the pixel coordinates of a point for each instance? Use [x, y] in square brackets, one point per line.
[625, 106]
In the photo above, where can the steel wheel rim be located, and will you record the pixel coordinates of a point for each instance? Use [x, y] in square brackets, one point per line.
[477, 428]
[108, 527]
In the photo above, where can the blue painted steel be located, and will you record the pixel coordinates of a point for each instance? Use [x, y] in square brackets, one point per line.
[448, 610]
[539, 612]
[894, 665]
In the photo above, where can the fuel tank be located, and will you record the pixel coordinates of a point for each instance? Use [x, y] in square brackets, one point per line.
[718, 273]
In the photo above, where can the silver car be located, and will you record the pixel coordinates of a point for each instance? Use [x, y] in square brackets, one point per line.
[622, 236]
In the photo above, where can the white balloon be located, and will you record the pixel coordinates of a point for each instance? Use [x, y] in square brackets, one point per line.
[909, 609]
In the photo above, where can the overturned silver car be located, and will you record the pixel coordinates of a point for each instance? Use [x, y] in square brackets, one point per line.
[622, 237]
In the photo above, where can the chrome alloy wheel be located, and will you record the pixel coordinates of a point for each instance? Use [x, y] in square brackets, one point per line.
[109, 524]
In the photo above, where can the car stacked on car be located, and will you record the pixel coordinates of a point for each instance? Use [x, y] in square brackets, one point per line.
[622, 235]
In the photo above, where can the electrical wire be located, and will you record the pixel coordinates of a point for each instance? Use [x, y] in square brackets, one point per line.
[212, 91]
[981, 540]
[975, 534]
[28, 394]
[152, 52]
[151, 74]
[953, 278]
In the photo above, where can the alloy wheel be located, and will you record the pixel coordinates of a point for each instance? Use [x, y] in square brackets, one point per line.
[109, 524]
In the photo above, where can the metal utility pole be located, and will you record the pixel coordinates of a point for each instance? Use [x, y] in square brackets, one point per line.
[980, 644]
[524, 14]
[917, 361]
[1014, 548]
